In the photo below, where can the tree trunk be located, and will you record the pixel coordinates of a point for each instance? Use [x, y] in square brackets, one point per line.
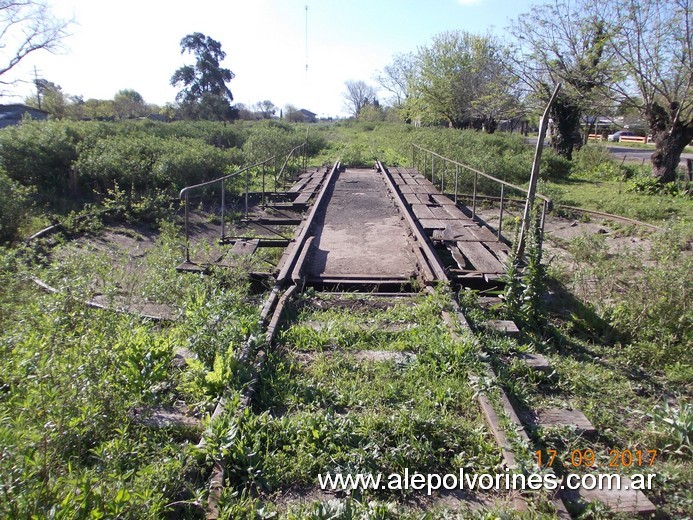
[670, 140]
[566, 117]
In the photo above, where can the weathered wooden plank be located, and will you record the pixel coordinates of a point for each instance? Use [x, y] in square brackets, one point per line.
[453, 232]
[455, 212]
[422, 181]
[298, 186]
[459, 258]
[442, 200]
[439, 213]
[483, 234]
[566, 417]
[411, 198]
[245, 247]
[501, 250]
[416, 188]
[624, 500]
[303, 198]
[431, 224]
[403, 188]
[480, 257]
[422, 211]
[506, 327]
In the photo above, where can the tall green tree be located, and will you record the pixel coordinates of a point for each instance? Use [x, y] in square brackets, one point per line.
[204, 93]
[129, 103]
[653, 43]
[564, 42]
[460, 79]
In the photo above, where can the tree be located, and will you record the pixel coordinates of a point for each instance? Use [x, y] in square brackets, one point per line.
[357, 95]
[653, 43]
[128, 103]
[27, 26]
[396, 78]
[293, 114]
[461, 80]
[205, 93]
[49, 97]
[266, 109]
[564, 42]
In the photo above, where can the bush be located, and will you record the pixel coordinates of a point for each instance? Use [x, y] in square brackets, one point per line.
[14, 204]
[40, 154]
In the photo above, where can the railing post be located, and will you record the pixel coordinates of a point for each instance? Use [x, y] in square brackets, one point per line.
[476, 175]
[247, 187]
[425, 164]
[457, 176]
[275, 175]
[500, 220]
[223, 221]
[263, 184]
[442, 177]
[187, 231]
[433, 167]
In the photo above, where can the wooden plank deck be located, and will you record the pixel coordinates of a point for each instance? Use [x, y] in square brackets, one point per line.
[474, 247]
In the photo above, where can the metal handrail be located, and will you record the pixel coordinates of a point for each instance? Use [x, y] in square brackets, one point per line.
[288, 158]
[184, 193]
[479, 172]
[547, 204]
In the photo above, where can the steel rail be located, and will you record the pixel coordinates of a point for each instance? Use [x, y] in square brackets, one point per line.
[437, 269]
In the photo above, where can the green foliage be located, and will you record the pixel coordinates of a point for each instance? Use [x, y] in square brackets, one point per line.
[14, 206]
[651, 185]
[143, 162]
[673, 426]
[525, 285]
[40, 154]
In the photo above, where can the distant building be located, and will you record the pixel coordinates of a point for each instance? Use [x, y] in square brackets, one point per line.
[13, 114]
[308, 116]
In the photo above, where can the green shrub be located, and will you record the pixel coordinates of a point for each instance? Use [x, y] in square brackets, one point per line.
[14, 205]
[40, 154]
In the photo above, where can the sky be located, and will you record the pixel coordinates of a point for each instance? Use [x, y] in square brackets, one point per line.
[135, 44]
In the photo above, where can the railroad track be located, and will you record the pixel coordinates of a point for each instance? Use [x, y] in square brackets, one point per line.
[304, 337]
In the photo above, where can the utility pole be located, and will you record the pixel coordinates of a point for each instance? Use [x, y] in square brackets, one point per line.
[38, 88]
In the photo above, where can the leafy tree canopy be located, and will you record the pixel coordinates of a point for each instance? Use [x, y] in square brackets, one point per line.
[205, 82]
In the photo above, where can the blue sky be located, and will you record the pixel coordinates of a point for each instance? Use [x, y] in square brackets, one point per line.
[135, 44]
